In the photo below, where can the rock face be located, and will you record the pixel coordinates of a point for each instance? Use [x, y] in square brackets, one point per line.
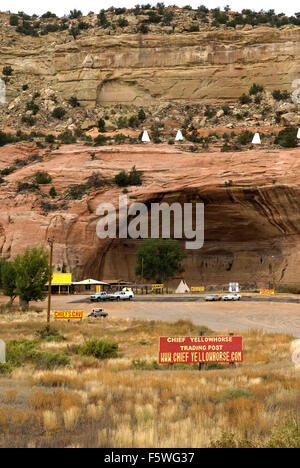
[252, 221]
[207, 66]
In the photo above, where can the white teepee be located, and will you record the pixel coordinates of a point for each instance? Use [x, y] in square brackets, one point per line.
[256, 139]
[182, 288]
[298, 133]
[179, 136]
[145, 137]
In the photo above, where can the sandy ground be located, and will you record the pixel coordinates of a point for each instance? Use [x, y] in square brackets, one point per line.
[219, 316]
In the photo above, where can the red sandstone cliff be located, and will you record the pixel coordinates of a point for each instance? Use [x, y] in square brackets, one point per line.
[252, 221]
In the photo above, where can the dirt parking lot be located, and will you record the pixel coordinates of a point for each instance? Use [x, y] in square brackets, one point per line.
[268, 316]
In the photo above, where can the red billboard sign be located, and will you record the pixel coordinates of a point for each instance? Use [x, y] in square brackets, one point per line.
[200, 349]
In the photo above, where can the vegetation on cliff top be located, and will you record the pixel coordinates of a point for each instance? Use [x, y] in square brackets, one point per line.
[147, 18]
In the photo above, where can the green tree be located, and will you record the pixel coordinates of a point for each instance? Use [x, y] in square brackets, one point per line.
[159, 259]
[32, 274]
[8, 279]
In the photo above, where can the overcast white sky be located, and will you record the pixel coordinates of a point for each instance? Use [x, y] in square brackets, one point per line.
[62, 7]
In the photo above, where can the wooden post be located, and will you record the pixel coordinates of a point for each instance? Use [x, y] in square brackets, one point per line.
[51, 242]
[201, 364]
[232, 364]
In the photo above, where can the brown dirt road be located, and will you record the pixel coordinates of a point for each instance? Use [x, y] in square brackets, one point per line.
[219, 316]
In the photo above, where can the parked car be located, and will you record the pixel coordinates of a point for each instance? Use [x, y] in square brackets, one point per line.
[213, 297]
[102, 296]
[98, 313]
[232, 297]
[124, 295]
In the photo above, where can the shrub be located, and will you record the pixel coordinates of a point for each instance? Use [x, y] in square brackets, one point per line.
[101, 125]
[286, 435]
[52, 192]
[141, 115]
[143, 29]
[50, 138]
[141, 364]
[102, 20]
[77, 191]
[27, 29]
[26, 187]
[100, 349]
[133, 178]
[6, 138]
[14, 20]
[100, 140]
[226, 110]
[48, 14]
[95, 181]
[245, 137]
[83, 25]
[5, 369]
[49, 333]
[209, 112]
[230, 394]
[287, 138]
[122, 22]
[244, 99]
[67, 137]
[33, 107]
[73, 101]
[258, 99]
[121, 179]
[28, 120]
[74, 14]
[58, 113]
[17, 352]
[280, 95]
[255, 89]
[42, 177]
[48, 360]
[7, 71]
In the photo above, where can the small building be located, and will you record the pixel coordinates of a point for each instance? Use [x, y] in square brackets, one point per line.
[61, 283]
[89, 285]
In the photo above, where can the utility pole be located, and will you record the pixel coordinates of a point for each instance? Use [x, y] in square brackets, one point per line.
[50, 242]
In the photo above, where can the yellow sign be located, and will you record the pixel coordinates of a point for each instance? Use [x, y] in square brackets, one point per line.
[157, 286]
[68, 314]
[267, 291]
[197, 288]
[98, 288]
[62, 278]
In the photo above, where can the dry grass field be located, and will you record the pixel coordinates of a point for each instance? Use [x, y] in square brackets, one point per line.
[74, 400]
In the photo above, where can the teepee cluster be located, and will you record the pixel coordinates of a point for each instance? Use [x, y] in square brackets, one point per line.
[146, 138]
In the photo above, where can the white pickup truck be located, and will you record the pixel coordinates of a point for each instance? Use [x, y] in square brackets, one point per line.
[232, 297]
[124, 295]
[102, 296]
